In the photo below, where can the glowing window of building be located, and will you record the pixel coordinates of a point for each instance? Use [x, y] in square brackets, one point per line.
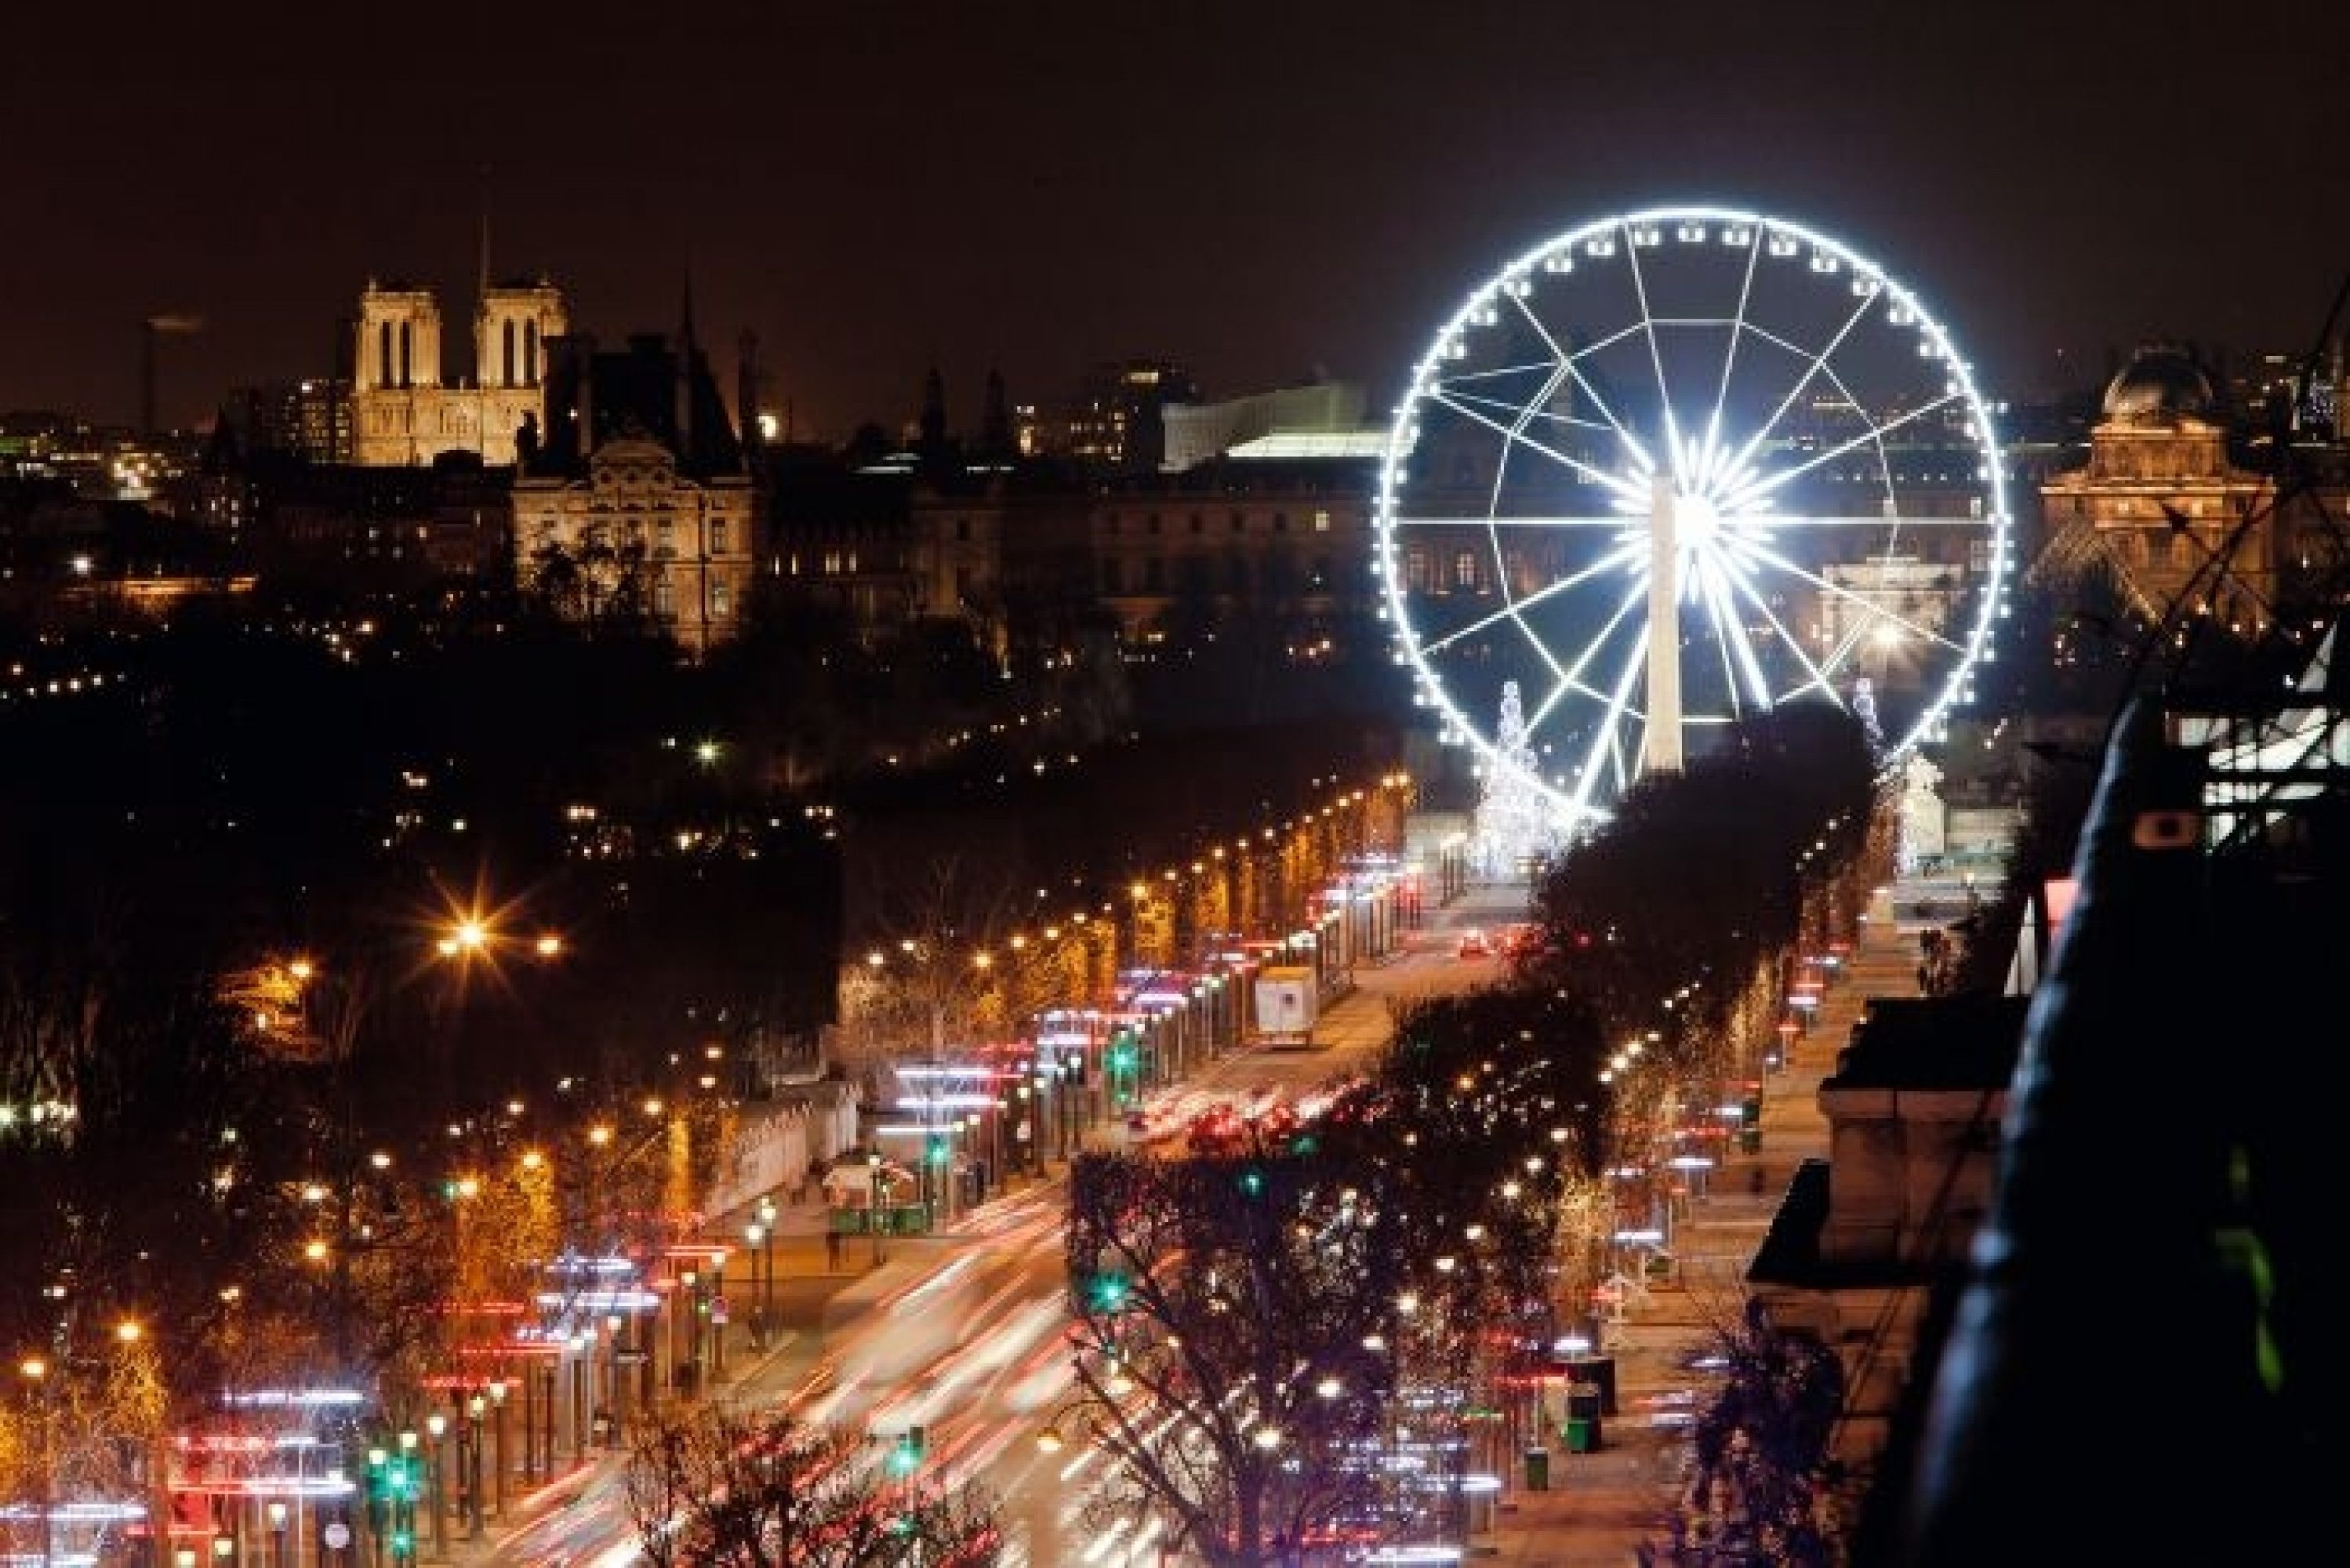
[1321, 522]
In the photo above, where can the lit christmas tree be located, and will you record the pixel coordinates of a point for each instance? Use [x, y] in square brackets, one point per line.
[1515, 819]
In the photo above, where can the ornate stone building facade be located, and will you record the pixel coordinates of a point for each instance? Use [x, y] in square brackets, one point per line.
[2160, 504]
[405, 409]
[635, 533]
[639, 503]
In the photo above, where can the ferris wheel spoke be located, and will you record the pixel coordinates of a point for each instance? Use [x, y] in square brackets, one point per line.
[1619, 521]
[1817, 366]
[1571, 681]
[1607, 746]
[1739, 659]
[1615, 560]
[1572, 363]
[1525, 417]
[1921, 522]
[1875, 607]
[1757, 492]
[1574, 464]
[1672, 432]
[1737, 335]
[1751, 593]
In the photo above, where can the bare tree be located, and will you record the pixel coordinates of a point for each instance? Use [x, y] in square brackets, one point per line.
[719, 1487]
[1231, 1363]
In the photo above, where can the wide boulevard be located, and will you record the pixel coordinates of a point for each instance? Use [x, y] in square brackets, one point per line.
[962, 1333]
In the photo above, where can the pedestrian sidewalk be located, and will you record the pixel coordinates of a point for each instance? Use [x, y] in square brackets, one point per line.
[1601, 1506]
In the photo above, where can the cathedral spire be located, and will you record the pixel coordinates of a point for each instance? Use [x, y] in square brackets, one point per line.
[482, 288]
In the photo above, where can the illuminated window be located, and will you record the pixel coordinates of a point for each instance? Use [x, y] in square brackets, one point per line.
[1464, 571]
[718, 539]
[1321, 522]
[721, 599]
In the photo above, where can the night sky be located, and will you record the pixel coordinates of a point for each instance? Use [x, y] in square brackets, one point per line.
[1259, 190]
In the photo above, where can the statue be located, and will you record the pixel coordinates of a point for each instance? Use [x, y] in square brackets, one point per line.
[1922, 819]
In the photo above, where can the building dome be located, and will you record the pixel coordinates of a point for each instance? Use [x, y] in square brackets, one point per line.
[2161, 385]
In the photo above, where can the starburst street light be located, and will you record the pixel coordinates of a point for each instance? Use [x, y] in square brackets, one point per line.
[469, 935]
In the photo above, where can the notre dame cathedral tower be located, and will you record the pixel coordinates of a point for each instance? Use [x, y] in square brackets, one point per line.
[405, 411]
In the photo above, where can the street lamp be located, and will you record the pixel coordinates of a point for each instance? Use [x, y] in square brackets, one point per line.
[873, 1212]
[754, 1234]
[498, 1471]
[437, 1426]
[277, 1535]
[767, 1291]
[472, 1467]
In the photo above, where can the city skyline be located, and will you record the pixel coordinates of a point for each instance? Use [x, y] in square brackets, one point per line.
[1263, 196]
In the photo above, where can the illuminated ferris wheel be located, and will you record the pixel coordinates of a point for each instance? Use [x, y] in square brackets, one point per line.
[1676, 467]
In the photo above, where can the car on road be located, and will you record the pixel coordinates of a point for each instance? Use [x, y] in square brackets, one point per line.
[1475, 943]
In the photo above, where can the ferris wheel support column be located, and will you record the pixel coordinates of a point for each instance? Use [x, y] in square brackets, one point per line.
[1660, 748]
